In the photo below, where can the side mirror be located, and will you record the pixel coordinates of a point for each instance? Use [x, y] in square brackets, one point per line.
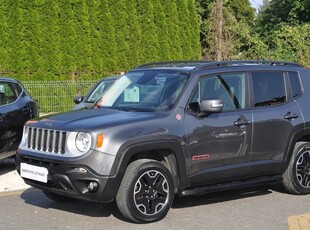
[78, 99]
[209, 106]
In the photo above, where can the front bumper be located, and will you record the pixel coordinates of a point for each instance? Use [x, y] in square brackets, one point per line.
[72, 180]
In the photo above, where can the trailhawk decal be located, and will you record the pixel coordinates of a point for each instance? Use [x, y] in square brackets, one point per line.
[201, 157]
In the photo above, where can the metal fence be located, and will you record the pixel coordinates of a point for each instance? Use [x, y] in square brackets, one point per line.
[57, 96]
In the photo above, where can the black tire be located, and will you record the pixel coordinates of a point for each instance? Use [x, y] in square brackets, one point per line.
[296, 178]
[146, 191]
[58, 198]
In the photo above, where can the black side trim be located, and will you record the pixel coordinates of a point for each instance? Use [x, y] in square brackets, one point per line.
[232, 185]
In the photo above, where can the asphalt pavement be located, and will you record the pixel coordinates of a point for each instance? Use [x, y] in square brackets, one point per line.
[24, 207]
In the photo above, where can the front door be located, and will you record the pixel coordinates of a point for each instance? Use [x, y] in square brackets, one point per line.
[219, 144]
[3, 128]
[14, 112]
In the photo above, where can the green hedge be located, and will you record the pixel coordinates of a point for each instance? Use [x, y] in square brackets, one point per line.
[60, 39]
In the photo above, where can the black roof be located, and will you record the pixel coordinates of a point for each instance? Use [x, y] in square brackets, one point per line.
[8, 79]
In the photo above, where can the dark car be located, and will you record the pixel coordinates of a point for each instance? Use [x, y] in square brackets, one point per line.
[94, 93]
[16, 107]
[176, 128]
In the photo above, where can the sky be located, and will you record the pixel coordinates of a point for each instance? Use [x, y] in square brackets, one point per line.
[256, 3]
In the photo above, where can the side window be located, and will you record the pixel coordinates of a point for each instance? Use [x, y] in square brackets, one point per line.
[101, 88]
[269, 88]
[228, 87]
[8, 93]
[295, 84]
[18, 89]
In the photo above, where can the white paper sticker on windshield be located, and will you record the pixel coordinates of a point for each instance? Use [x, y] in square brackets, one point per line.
[131, 94]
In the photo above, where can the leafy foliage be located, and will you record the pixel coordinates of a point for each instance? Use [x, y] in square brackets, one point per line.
[277, 12]
[89, 39]
[281, 30]
[82, 39]
[237, 18]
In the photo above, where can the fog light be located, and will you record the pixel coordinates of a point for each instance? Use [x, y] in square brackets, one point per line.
[79, 170]
[92, 186]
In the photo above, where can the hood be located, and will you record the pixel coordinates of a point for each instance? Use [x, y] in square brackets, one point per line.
[91, 119]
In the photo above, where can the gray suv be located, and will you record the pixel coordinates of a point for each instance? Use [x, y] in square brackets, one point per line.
[176, 128]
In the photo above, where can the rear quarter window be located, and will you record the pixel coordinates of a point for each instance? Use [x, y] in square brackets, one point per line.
[295, 84]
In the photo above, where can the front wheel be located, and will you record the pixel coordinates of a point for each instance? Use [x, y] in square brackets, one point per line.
[146, 192]
[296, 178]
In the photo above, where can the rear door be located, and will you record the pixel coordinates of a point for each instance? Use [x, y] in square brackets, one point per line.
[219, 144]
[275, 117]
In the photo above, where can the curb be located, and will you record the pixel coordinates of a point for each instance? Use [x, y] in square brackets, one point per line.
[299, 222]
[9, 178]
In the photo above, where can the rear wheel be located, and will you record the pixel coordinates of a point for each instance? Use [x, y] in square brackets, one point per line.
[296, 178]
[146, 192]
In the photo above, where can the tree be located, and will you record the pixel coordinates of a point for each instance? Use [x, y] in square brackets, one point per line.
[16, 36]
[149, 39]
[120, 16]
[174, 42]
[67, 45]
[219, 30]
[276, 12]
[282, 31]
[224, 28]
[242, 10]
[291, 43]
[34, 59]
[94, 21]
[194, 31]
[239, 21]
[134, 35]
[60, 39]
[162, 33]
[81, 20]
[107, 41]
[4, 35]
[51, 40]
[185, 24]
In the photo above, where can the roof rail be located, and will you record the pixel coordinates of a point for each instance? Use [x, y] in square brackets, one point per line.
[212, 64]
[172, 64]
[245, 62]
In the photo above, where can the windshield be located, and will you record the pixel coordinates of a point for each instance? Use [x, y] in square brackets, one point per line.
[144, 91]
[99, 90]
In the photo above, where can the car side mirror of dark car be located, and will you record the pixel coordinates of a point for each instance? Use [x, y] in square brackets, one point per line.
[210, 106]
[78, 99]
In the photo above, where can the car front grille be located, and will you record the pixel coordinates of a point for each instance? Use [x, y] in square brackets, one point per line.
[46, 140]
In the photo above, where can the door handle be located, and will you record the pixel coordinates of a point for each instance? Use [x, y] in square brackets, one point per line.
[290, 116]
[242, 122]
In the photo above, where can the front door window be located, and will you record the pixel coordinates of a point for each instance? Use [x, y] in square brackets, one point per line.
[216, 144]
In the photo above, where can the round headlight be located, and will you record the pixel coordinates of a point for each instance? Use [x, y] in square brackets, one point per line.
[83, 142]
